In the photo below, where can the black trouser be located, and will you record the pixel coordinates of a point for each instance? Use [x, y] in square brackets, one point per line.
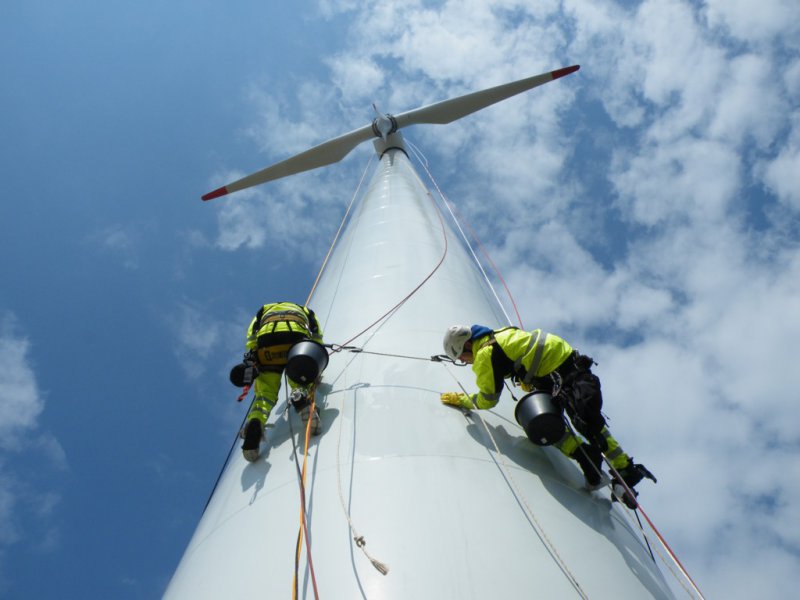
[582, 398]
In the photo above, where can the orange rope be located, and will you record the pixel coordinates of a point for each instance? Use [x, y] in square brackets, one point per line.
[303, 513]
[303, 516]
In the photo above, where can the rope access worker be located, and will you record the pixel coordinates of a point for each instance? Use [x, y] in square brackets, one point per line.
[541, 362]
[273, 335]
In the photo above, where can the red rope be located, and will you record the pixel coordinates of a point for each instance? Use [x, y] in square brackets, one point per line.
[460, 218]
[244, 393]
[489, 258]
[412, 292]
[661, 539]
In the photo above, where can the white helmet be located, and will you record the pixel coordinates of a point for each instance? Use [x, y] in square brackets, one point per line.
[454, 340]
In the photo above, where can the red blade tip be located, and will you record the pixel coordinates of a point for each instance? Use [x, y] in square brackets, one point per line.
[215, 194]
[565, 71]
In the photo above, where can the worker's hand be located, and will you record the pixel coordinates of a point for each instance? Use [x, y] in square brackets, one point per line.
[526, 387]
[451, 398]
[457, 400]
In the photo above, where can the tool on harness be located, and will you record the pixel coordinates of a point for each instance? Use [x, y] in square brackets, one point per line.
[243, 374]
[299, 399]
[306, 361]
[541, 416]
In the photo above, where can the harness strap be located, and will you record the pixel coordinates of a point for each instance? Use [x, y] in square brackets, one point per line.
[284, 315]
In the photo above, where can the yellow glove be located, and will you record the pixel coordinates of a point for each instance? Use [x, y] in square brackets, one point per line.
[526, 387]
[457, 400]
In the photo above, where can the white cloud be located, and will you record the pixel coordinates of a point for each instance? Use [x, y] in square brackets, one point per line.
[751, 104]
[686, 178]
[121, 242]
[23, 509]
[770, 19]
[20, 400]
[782, 174]
[197, 333]
[238, 225]
[292, 219]
[283, 126]
[9, 532]
[360, 76]
[203, 339]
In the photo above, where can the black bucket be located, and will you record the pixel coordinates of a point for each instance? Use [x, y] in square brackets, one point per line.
[306, 361]
[541, 418]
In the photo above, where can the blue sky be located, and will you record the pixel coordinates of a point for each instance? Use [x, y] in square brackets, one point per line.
[646, 208]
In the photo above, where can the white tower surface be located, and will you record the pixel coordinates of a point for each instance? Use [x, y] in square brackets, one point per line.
[458, 505]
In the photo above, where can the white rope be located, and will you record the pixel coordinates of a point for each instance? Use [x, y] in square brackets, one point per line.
[382, 568]
[417, 153]
[551, 548]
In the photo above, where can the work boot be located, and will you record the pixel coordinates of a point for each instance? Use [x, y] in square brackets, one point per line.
[590, 460]
[252, 433]
[316, 424]
[631, 474]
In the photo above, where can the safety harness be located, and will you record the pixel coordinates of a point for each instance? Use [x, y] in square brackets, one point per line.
[273, 346]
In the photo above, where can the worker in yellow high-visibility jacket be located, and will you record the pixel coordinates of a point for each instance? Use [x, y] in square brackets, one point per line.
[543, 361]
[274, 330]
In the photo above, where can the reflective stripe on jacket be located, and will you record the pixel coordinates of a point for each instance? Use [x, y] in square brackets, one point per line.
[510, 351]
[283, 317]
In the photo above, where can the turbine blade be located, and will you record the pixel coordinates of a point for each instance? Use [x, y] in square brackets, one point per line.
[451, 110]
[439, 113]
[323, 154]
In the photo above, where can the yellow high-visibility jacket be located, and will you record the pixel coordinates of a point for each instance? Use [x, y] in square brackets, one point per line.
[511, 351]
[283, 317]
